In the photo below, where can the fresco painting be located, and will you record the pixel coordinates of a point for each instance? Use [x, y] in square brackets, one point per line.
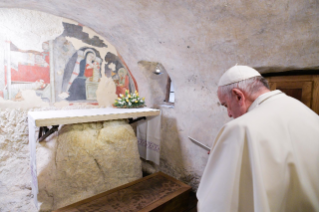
[80, 57]
[121, 75]
[81, 75]
[29, 70]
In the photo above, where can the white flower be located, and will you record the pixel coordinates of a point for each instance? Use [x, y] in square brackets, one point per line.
[129, 103]
[121, 95]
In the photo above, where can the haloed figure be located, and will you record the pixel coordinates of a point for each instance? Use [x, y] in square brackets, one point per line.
[120, 74]
[86, 67]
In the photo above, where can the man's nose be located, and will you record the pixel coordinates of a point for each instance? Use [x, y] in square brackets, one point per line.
[229, 113]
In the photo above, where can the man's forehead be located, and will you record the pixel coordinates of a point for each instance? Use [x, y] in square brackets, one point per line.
[224, 99]
[220, 94]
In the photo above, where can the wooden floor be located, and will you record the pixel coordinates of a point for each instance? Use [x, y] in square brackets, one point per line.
[156, 193]
[192, 203]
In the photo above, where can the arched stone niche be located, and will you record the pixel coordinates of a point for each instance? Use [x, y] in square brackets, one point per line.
[59, 60]
[49, 62]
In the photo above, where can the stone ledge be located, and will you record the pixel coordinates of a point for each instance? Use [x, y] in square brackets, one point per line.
[56, 117]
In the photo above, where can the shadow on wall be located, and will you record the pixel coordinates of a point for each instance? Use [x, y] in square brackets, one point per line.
[286, 69]
[172, 157]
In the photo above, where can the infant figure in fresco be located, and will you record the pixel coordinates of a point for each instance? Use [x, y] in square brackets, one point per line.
[96, 74]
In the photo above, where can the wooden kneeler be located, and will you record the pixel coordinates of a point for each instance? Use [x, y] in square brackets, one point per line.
[157, 193]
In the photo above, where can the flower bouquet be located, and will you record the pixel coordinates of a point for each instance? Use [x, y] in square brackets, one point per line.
[129, 100]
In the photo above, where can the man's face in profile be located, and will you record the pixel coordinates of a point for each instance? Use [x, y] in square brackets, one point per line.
[234, 104]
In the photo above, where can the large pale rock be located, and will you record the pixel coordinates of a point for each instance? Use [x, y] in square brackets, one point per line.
[92, 158]
[15, 175]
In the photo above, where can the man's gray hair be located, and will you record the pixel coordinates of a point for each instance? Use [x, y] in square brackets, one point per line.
[249, 86]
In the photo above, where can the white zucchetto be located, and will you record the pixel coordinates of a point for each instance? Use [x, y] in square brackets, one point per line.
[236, 74]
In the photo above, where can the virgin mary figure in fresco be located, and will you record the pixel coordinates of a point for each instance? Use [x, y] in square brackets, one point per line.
[82, 67]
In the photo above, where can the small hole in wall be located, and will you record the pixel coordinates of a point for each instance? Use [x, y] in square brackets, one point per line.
[170, 92]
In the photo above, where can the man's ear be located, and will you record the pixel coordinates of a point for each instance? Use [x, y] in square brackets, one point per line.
[239, 95]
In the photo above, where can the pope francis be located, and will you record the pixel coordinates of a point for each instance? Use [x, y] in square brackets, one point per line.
[267, 158]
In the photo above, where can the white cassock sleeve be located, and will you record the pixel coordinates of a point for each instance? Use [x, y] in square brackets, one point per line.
[227, 174]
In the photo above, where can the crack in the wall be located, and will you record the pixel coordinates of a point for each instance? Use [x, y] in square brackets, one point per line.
[99, 167]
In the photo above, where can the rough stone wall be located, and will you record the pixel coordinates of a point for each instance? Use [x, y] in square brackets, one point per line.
[196, 41]
[15, 181]
[77, 162]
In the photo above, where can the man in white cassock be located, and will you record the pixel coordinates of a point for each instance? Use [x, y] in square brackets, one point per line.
[267, 158]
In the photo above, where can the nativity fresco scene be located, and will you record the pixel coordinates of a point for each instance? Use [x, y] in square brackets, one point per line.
[78, 62]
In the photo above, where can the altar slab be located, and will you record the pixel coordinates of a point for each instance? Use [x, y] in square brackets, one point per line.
[57, 117]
